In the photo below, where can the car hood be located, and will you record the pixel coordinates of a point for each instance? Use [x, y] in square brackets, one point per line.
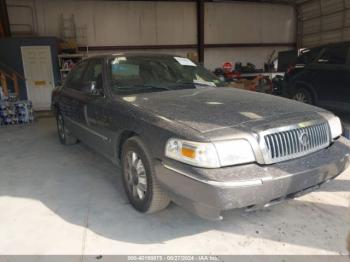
[211, 109]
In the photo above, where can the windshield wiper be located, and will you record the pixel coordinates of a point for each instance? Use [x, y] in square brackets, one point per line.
[140, 87]
[194, 83]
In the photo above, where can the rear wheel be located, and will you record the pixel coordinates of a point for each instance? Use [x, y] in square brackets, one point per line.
[140, 184]
[303, 95]
[64, 135]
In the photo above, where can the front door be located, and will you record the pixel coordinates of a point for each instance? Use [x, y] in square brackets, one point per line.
[97, 121]
[37, 66]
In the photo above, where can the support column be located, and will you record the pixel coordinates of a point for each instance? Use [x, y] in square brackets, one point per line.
[200, 30]
[4, 20]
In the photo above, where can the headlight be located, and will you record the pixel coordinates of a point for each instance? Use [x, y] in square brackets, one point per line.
[234, 152]
[197, 154]
[210, 155]
[335, 126]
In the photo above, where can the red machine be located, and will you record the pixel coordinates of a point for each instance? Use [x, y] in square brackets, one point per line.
[229, 73]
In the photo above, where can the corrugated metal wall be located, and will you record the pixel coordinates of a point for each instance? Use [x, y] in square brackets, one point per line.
[323, 21]
[113, 23]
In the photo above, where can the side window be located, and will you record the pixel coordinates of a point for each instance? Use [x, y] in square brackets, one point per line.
[308, 56]
[74, 77]
[334, 56]
[93, 73]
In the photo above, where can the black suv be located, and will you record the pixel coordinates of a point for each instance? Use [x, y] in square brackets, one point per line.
[321, 77]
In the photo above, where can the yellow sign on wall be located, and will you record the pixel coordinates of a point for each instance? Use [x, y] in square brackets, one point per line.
[40, 83]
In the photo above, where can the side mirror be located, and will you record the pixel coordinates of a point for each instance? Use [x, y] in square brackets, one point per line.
[93, 89]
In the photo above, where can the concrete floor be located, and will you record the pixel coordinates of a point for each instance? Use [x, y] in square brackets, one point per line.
[58, 199]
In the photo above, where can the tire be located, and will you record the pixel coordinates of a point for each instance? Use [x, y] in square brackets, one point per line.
[303, 95]
[64, 135]
[139, 180]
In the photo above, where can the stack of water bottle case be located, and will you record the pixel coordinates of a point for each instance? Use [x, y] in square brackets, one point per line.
[14, 111]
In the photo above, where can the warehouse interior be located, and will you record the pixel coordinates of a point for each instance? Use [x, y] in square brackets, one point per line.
[61, 200]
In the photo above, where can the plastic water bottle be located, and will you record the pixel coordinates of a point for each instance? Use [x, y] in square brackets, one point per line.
[1, 94]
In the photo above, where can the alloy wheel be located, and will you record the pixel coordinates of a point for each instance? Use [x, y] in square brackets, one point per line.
[301, 97]
[136, 176]
[60, 126]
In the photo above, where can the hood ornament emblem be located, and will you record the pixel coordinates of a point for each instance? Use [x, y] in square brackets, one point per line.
[304, 139]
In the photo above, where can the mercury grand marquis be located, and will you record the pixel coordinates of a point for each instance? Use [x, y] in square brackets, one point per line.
[180, 135]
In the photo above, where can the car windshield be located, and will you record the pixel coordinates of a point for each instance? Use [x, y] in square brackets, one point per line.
[138, 74]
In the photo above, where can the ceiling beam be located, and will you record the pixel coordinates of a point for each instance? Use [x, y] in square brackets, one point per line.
[283, 2]
[299, 3]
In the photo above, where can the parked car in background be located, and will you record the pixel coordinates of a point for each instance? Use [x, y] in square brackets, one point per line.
[180, 136]
[321, 77]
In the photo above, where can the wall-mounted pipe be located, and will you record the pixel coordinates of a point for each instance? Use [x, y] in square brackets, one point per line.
[29, 32]
[31, 12]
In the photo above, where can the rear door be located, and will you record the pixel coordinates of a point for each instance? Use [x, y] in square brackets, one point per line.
[71, 92]
[71, 97]
[331, 77]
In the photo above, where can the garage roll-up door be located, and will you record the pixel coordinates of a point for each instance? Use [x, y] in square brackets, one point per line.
[324, 21]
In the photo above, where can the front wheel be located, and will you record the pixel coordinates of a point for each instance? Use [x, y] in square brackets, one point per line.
[140, 184]
[303, 95]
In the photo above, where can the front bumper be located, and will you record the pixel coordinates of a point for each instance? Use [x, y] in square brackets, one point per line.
[207, 192]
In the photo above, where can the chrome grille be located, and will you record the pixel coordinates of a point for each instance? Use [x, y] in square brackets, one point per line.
[295, 142]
